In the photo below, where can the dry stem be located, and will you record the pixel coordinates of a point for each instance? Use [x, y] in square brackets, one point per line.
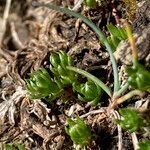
[5, 17]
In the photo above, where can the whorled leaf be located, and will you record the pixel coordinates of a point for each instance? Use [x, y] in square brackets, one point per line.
[79, 132]
[59, 62]
[139, 77]
[131, 120]
[88, 91]
[41, 84]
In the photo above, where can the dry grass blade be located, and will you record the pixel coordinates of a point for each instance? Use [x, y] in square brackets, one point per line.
[135, 141]
[5, 17]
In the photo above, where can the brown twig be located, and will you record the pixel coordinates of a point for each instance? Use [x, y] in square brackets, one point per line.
[5, 17]
[16, 40]
[93, 112]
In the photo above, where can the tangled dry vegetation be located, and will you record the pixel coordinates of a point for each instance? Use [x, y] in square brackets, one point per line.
[28, 36]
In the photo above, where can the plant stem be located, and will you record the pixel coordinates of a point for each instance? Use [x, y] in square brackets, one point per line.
[121, 91]
[96, 29]
[93, 78]
[132, 41]
[126, 97]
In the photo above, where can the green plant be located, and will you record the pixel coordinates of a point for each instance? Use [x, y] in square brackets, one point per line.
[79, 132]
[41, 84]
[90, 3]
[99, 33]
[63, 76]
[9, 147]
[131, 120]
[117, 34]
[144, 145]
[14, 147]
[139, 77]
[92, 78]
[86, 93]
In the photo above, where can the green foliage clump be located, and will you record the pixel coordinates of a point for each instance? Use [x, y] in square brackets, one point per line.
[139, 77]
[131, 120]
[41, 84]
[16, 147]
[88, 91]
[144, 145]
[79, 132]
[63, 76]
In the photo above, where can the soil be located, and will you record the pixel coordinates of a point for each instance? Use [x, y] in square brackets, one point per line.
[29, 35]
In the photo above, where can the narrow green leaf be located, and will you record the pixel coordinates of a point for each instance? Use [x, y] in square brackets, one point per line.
[93, 78]
[113, 30]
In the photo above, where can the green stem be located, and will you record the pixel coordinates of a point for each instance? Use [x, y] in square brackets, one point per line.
[126, 97]
[114, 66]
[96, 29]
[93, 78]
[121, 91]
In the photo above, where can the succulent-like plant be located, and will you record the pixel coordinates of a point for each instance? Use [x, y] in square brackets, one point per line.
[88, 91]
[59, 61]
[41, 84]
[79, 132]
[139, 77]
[144, 145]
[131, 120]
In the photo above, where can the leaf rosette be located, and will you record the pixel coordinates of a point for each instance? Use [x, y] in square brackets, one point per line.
[88, 91]
[59, 62]
[131, 120]
[79, 132]
[139, 77]
[41, 84]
